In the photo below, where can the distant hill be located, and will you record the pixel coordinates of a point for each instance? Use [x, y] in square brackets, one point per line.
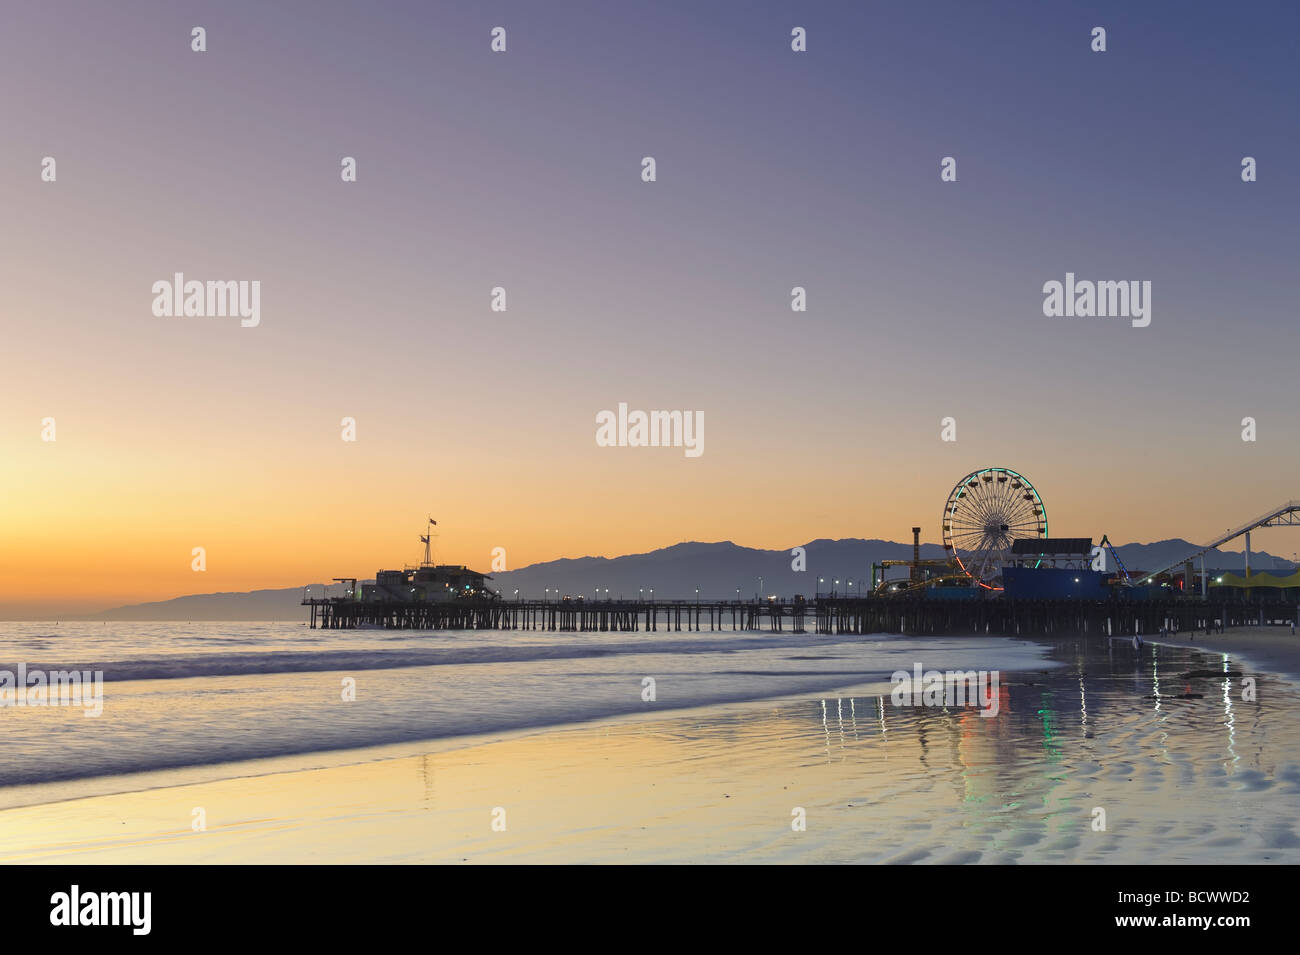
[1162, 553]
[282, 604]
[718, 570]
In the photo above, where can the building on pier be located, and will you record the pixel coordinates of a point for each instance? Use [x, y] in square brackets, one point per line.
[1053, 568]
[428, 583]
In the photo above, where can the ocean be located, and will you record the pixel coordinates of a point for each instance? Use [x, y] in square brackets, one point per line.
[196, 694]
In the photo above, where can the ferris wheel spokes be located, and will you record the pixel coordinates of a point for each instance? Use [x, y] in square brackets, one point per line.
[987, 512]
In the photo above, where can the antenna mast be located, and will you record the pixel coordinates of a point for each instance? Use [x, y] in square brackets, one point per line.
[427, 541]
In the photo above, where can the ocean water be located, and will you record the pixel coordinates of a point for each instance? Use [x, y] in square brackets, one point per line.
[208, 693]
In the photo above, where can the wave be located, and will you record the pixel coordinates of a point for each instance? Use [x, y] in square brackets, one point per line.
[191, 665]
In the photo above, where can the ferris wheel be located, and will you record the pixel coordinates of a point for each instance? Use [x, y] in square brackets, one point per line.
[987, 512]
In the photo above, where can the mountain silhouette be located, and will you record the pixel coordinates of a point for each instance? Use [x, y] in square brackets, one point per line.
[718, 570]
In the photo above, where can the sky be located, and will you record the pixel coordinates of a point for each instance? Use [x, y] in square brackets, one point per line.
[523, 170]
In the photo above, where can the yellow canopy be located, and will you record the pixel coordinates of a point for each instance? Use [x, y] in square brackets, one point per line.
[1261, 579]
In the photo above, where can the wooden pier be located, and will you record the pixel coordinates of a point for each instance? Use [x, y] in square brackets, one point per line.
[571, 615]
[1114, 617]
[825, 615]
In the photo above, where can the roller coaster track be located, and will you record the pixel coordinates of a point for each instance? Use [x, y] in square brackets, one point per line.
[1288, 515]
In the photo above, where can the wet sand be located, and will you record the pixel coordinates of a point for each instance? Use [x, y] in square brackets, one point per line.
[1184, 771]
[1272, 649]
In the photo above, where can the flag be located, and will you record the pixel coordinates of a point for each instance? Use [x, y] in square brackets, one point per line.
[432, 521]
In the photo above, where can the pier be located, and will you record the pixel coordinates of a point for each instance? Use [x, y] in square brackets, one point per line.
[569, 615]
[823, 615]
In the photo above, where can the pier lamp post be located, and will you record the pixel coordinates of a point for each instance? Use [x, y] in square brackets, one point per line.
[820, 581]
[737, 595]
[837, 583]
[652, 595]
[642, 593]
[848, 585]
[760, 586]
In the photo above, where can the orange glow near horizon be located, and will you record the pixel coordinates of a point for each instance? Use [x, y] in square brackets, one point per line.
[92, 524]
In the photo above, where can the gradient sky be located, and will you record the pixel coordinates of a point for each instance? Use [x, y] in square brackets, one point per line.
[523, 170]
